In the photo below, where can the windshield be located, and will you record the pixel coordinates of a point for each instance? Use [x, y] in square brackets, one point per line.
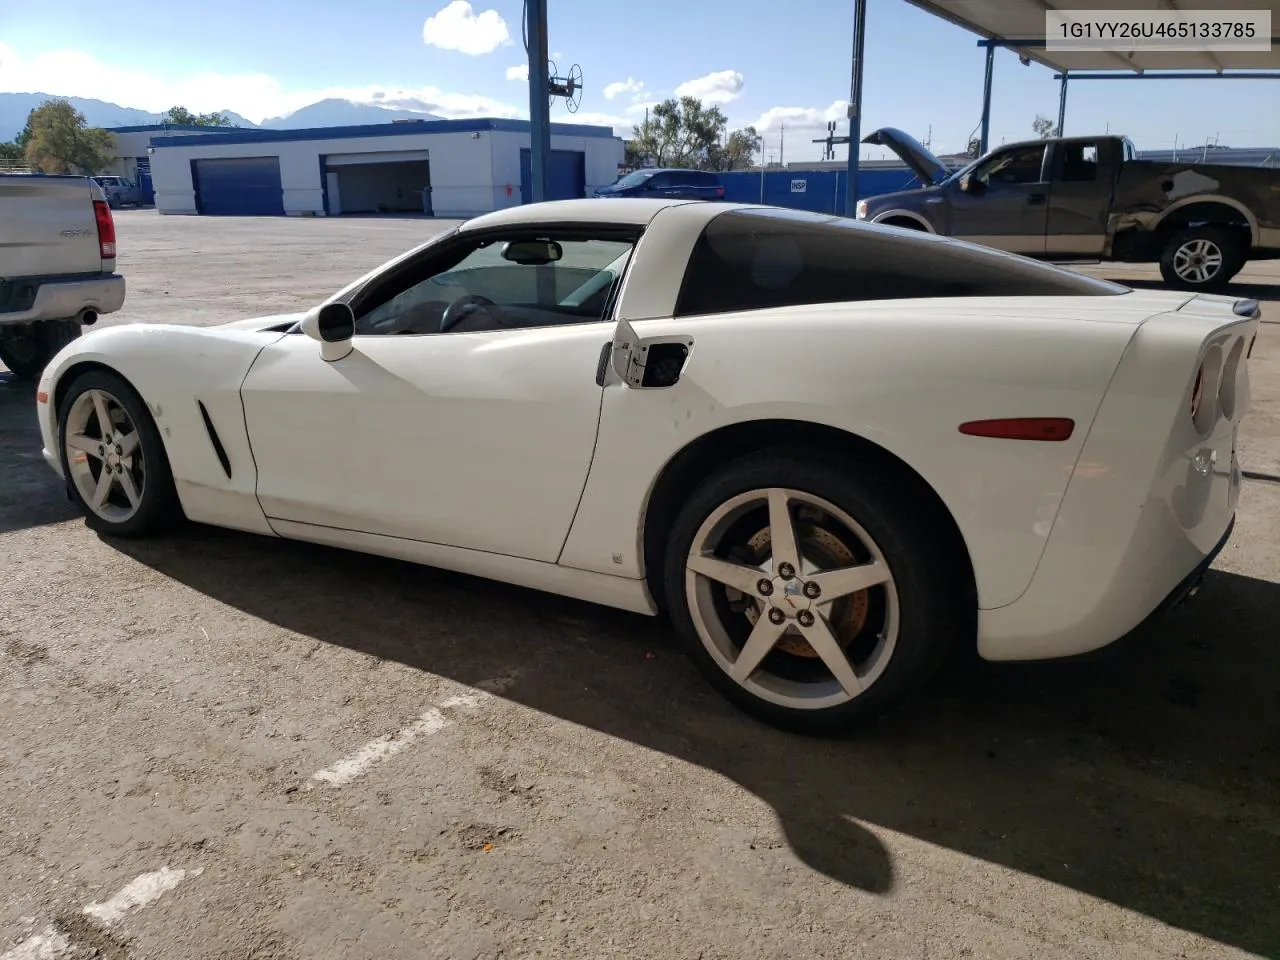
[635, 178]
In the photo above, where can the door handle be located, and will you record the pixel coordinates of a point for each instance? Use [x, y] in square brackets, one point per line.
[1035, 199]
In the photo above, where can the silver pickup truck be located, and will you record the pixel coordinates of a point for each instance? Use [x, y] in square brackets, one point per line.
[57, 266]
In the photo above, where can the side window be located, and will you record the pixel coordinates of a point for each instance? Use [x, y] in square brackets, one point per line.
[527, 279]
[1018, 165]
[659, 181]
[1079, 162]
[751, 260]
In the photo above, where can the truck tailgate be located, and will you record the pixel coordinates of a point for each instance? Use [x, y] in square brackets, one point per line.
[48, 227]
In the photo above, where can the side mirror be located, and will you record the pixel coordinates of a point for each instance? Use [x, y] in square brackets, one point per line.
[333, 324]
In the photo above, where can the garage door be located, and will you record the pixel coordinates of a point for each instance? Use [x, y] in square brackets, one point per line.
[238, 186]
[388, 182]
[566, 180]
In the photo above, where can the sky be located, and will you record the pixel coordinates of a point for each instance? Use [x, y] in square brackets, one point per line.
[782, 67]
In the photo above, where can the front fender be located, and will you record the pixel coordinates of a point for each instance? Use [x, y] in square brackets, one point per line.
[176, 369]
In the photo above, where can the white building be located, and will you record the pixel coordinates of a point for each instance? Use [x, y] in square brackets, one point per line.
[449, 168]
[130, 156]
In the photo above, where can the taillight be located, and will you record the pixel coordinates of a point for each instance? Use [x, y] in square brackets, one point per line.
[106, 230]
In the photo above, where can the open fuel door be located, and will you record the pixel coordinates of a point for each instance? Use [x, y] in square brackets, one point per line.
[646, 362]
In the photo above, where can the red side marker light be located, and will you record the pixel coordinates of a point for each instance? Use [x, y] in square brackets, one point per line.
[42, 397]
[1021, 428]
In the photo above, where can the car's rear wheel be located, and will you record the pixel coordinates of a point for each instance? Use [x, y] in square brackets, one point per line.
[26, 350]
[1201, 258]
[114, 459]
[814, 598]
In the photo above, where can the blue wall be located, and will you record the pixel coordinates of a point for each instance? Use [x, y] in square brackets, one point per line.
[566, 178]
[823, 190]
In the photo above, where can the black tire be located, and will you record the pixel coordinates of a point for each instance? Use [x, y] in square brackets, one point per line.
[27, 354]
[159, 509]
[937, 608]
[1225, 240]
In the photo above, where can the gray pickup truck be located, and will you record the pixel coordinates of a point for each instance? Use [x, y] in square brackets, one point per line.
[1091, 198]
[57, 266]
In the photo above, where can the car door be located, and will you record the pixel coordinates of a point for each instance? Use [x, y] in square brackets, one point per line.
[1079, 200]
[1003, 201]
[465, 411]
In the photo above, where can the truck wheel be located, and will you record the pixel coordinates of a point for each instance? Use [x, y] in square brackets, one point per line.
[1201, 258]
[27, 350]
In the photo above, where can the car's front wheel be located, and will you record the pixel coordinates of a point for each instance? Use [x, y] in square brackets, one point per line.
[113, 457]
[813, 596]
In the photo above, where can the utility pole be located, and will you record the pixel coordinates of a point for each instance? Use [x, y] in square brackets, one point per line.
[855, 106]
[539, 99]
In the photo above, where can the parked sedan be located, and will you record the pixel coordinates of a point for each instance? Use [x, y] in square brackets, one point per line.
[829, 451]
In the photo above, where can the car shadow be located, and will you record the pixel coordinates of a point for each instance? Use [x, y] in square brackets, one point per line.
[1245, 291]
[1148, 779]
[30, 494]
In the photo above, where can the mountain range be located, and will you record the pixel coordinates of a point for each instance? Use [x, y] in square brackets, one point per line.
[14, 108]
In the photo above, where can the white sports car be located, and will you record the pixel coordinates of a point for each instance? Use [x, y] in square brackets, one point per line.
[830, 451]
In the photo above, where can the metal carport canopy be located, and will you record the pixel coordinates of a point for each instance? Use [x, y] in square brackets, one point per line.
[1019, 25]
[1010, 21]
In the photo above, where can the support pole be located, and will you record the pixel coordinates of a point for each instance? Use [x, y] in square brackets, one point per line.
[986, 103]
[1062, 103]
[855, 107]
[539, 99]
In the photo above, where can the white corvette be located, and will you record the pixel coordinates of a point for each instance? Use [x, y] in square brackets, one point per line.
[829, 451]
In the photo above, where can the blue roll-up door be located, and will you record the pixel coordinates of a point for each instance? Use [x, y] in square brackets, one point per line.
[238, 186]
[566, 180]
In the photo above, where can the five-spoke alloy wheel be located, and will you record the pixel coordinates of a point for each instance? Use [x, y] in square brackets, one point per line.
[811, 598]
[115, 463]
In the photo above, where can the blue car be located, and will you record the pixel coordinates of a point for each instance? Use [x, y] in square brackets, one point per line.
[666, 182]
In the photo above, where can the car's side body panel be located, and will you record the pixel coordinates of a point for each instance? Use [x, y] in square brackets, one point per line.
[903, 379]
[176, 369]
[476, 440]
[1149, 497]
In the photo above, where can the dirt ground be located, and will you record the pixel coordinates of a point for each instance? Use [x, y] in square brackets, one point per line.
[222, 746]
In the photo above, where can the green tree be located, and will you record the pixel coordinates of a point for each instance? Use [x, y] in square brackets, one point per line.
[1044, 127]
[182, 117]
[737, 152]
[681, 133]
[11, 151]
[57, 140]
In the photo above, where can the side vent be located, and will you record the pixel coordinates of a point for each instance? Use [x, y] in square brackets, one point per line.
[218, 448]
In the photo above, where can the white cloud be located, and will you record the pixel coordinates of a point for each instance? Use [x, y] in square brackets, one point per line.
[255, 96]
[629, 85]
[718, 87]
[519, 72]
[800, 125]
[641, 106]
[458, 27]
[799, 118]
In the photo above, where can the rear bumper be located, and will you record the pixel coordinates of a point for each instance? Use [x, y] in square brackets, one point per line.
[63, 299]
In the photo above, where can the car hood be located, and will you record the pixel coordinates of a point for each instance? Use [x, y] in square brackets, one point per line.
[913, 153]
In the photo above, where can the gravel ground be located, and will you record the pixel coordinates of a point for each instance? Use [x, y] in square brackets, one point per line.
[222, 746]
